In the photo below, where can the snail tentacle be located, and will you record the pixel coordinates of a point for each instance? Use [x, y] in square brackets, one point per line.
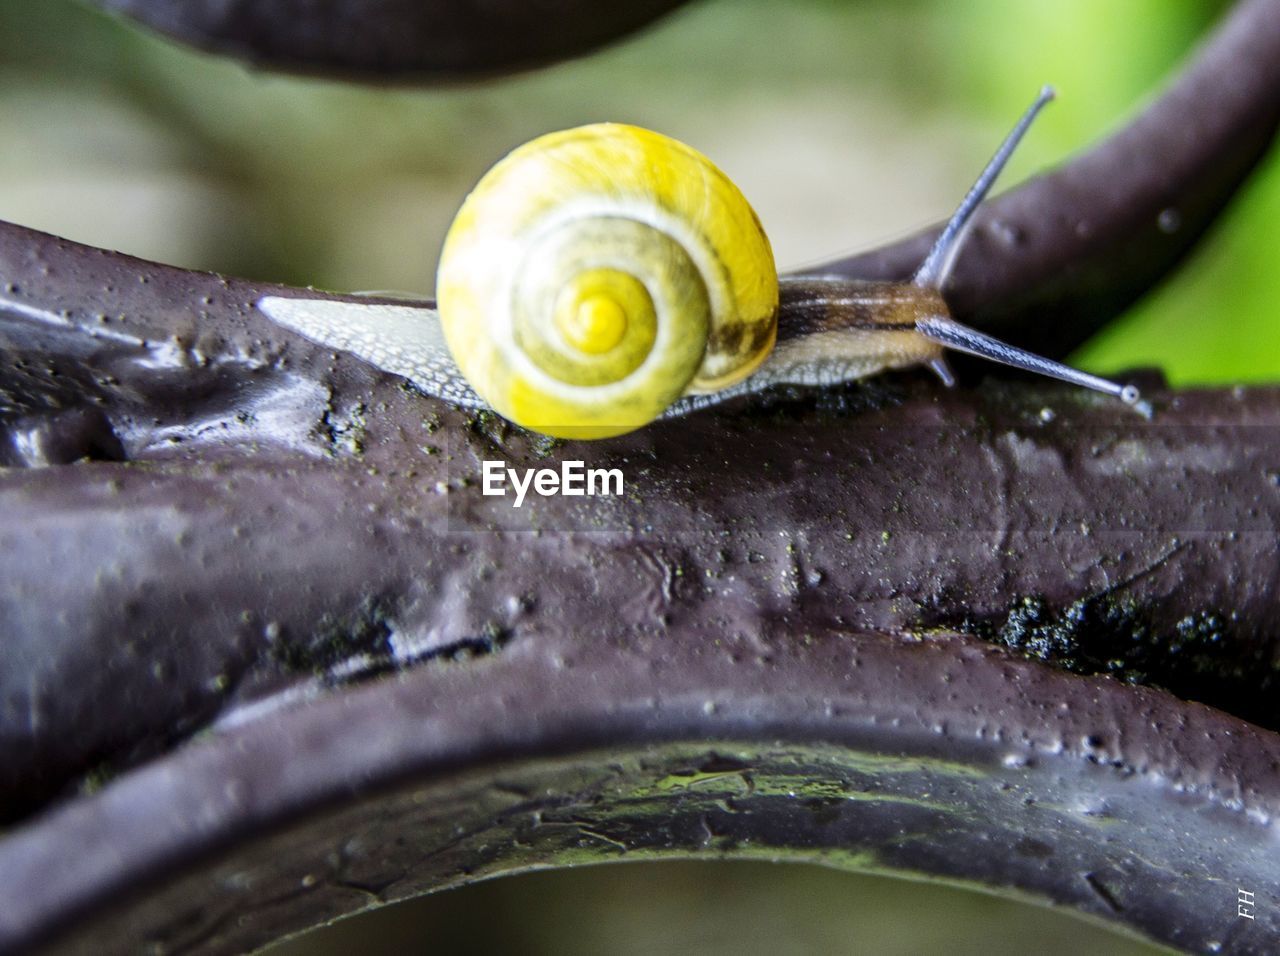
[936, 268]
[962, 338]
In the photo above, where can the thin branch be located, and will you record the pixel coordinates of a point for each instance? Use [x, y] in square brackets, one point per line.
[395, 39]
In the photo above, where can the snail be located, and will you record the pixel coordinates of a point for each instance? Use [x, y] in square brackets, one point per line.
[601, 277]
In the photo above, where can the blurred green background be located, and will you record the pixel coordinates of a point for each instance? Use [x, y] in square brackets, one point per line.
[712, 909]
[847, 124]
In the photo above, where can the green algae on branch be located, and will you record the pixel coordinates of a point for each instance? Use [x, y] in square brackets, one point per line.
[806, 781]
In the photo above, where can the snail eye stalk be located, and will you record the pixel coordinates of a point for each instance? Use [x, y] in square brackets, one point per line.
[953, 335]
[938, 264]
[936, 268]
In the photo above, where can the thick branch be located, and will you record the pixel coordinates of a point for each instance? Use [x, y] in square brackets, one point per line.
[288, 525]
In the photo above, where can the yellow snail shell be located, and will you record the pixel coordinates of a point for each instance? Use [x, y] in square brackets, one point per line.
[596, 275]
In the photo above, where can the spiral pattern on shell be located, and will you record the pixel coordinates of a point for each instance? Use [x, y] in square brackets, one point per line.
[597, 274]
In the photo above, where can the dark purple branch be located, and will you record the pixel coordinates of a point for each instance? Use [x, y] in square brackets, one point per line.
[945, 757]
[395, 39]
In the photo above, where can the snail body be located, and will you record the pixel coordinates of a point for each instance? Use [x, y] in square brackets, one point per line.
[601, 277]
